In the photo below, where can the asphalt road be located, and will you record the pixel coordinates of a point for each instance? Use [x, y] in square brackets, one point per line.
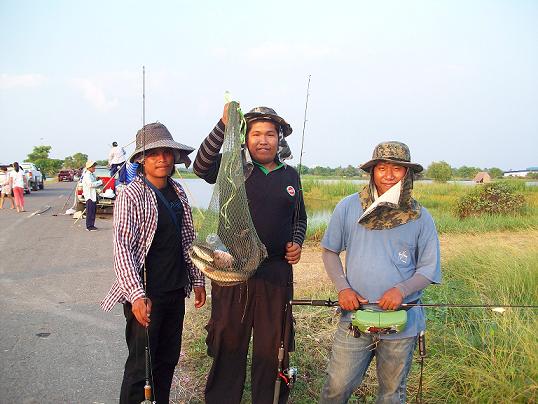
[56, 345]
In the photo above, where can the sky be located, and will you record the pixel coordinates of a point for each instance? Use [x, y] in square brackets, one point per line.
[455, 80]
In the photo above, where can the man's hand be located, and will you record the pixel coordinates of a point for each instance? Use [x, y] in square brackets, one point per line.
[199, 296]
[391, 299]
[141, 309]
[348, 299]
[293, 253]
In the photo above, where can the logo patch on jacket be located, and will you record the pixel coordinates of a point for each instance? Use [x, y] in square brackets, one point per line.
[403, 256]
[290, 190]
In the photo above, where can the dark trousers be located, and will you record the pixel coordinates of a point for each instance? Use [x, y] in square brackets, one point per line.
[90, 213]
[236, 311]
[121, 175]
[164, 331]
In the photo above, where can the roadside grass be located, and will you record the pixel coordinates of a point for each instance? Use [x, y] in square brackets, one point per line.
[439, 199]
[474, 355]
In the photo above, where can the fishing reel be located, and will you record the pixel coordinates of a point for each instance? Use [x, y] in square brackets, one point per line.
[377, 322]
[289, 376]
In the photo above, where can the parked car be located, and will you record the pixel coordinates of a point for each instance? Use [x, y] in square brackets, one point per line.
[35, 178]
[106, 193]
[66, 175]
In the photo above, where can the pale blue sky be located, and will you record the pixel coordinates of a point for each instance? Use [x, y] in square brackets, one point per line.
[455, 80]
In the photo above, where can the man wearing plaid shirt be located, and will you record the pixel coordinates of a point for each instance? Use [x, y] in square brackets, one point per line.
[153, 231]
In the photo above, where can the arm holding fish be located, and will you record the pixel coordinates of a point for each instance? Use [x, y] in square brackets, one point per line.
[207, 162]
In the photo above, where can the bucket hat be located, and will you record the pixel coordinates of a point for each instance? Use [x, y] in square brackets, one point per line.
[157, 135]
[266, 113]
[392, 152]
[90, 163]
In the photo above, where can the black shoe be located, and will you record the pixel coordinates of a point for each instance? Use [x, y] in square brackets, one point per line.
[92, 228]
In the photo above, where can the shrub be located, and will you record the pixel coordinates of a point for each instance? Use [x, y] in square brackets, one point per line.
[439, 171]
[494, 198]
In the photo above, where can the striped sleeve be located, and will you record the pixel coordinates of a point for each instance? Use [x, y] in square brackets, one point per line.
[206, 164]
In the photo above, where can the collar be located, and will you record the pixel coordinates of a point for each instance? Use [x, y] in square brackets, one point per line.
[265, 170]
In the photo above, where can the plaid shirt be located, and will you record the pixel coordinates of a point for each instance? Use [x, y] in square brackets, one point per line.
[135, 224]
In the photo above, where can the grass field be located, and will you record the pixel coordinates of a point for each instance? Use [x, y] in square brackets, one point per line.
[474, 355]
[439, 199]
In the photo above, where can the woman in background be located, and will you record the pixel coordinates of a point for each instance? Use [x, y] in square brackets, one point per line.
[17, 180]
[6, 189]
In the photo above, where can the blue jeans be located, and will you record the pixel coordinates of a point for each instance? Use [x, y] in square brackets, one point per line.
[351, 357]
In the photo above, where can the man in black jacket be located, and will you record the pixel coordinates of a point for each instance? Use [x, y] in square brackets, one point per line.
[259, 305]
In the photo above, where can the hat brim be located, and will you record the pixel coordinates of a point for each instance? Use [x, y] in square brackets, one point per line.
[180, 151]
[417, 168]
[256, 116]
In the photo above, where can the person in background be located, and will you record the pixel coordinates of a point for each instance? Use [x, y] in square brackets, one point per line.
[6, 189]
[18, 181]
[89, 185]
[116, 160]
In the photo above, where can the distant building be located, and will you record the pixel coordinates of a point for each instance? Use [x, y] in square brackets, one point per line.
[520, 173]
[482, 177]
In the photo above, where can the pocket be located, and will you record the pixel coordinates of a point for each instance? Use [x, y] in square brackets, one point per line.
[404, 255]
[404, 259]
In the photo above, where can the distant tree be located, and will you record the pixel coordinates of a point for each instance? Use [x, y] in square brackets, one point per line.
[40, 157]
[495, 172]
[39, 153]
[322, 171]
[302, 169]
[102, 162]
[467, 173]
[77, 160]
[439, 171]
[338, 171]
[351, 171]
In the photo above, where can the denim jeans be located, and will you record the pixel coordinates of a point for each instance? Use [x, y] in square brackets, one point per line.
[350, 358]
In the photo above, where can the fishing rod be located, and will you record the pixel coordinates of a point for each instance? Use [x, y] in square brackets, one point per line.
[147, 356]
[289, 375]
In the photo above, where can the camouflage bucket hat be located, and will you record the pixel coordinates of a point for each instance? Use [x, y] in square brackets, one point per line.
[156, 135]
[265, 113]
[392, 152]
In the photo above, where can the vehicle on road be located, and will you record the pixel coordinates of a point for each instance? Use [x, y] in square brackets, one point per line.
[35, 178]
[106, 193]
[66, 175]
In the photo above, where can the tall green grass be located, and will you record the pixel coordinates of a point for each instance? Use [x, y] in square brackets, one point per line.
[484, 355]
[474, 355]
[439, 199]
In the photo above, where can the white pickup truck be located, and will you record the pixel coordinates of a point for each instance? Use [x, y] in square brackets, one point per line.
[36, 179]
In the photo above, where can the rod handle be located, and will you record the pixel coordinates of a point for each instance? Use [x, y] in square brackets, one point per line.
[422, 344]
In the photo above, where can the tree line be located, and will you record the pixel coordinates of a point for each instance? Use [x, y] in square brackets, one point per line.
[438, 171]
[50, 167]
